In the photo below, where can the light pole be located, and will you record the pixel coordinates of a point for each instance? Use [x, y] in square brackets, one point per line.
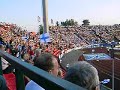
[45, 16]
[112, 56]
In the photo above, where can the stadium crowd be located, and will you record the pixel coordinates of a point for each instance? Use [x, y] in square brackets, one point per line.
[88, 33]
[62, 39]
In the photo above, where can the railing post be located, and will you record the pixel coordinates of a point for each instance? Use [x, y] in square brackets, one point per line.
[112, 56]
[1, 72]
[20, 84]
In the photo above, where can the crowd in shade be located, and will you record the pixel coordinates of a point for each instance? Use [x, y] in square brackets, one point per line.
[27, 46]
[62, 38]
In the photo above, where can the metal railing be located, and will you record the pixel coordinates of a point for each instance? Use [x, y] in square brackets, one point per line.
[44, 79]
[103, 87]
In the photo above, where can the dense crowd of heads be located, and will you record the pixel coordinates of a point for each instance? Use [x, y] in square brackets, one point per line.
[31, 50]
[62, 38]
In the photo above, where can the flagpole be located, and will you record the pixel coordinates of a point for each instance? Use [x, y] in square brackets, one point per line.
[45, 16]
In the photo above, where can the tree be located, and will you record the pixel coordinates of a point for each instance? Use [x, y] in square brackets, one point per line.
[72, 22]
[86, 22]
[41, 29]
[69, 22]
[76, 23]
[63, 24]
[57, 23]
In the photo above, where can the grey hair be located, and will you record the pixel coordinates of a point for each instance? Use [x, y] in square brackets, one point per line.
[38, 51]
[84, 75]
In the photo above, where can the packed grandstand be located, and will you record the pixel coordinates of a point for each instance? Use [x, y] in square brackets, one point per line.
[64, 40]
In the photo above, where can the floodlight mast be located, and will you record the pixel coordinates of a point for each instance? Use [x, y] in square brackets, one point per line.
[45, 16]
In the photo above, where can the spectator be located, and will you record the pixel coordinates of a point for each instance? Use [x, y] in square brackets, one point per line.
[26, 58]
[5, 64]
[84, 75]
[2, 83]
[46, 62]
[37, 54]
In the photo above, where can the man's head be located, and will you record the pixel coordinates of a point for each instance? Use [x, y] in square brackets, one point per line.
[38, 52]
[84, 75]
[2, 47]
[47, 62]
[26, 57]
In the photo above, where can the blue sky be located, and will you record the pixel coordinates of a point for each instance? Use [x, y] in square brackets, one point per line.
[24, 12]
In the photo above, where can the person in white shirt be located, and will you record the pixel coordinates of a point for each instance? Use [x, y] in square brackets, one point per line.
[5, 64]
